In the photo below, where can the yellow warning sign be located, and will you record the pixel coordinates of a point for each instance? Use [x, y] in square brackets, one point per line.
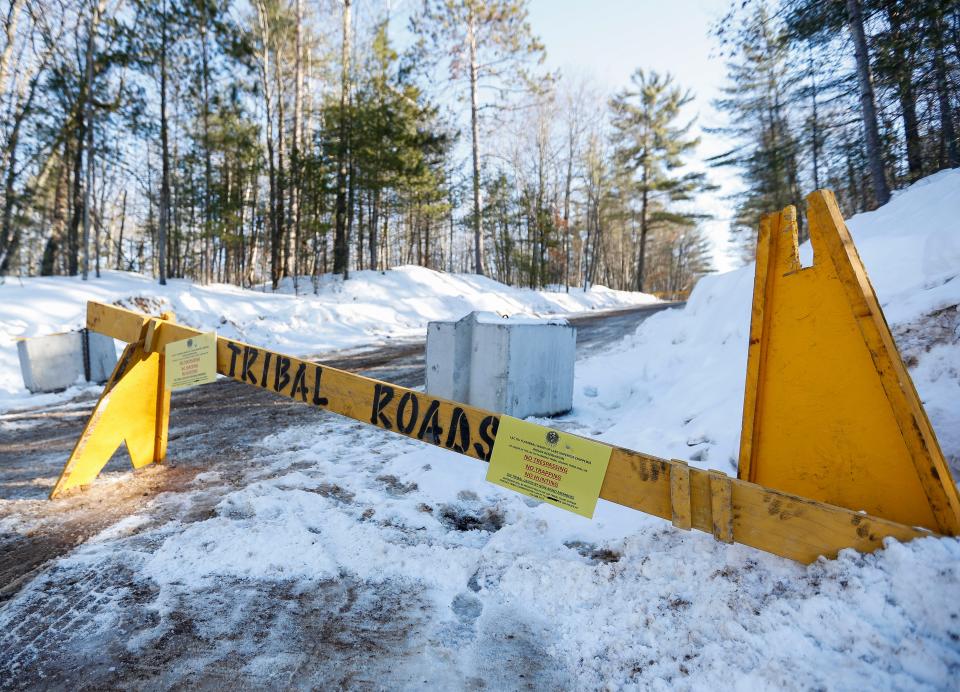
[556, 467]
[191, 361]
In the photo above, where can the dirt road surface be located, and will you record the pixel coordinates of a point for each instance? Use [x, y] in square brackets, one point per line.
[334, 633]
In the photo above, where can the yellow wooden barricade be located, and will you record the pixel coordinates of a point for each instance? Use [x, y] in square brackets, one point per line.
[786, 512]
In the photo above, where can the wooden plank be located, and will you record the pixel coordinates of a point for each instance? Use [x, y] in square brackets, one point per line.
[915, 428]
[120, 323]
[163, 405]
[126, 413]
[721, 506]
[756, 350]
[680, 494]
[766, 519]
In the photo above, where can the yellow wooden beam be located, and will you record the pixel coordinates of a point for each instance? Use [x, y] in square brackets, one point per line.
[830, 412]
[133, 410]
[729, 509]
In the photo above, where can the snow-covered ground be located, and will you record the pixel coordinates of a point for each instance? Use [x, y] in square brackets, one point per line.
[345, 556]
[367, 309]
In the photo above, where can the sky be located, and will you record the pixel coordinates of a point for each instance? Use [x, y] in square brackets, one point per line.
[608, 39]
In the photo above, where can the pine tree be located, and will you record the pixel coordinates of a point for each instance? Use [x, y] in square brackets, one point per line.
[397, 143]
[649, 149]
[755, 100]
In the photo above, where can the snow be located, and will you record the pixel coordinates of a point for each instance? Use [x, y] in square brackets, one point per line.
[368, 309]
[494, 318]
[473, 585]
[675, 389]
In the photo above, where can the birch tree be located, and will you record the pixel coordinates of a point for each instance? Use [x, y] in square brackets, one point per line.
[487, 44]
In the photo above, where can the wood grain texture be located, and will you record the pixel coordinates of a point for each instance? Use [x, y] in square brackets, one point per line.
[680, 494]
[721, 506]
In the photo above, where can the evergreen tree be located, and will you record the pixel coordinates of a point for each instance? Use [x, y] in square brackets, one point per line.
[649, 149]
[756, 100]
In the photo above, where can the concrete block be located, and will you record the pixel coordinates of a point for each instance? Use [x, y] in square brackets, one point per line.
[102, 352]
[57, 361]
[520, 366]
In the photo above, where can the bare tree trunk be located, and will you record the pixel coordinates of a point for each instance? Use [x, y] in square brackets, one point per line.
[815, 124]
[644, 229]
[385, 242]
[567, 185]
[905, 93]
[10, 32]
[266, 82]
[9, 238]
[295, 144]
[587, 245]
[19, 110]
[425, 223]
[123, 223]
[88, 108]
[341, 246]
[360, 233]
[867, 103]
[73, 231]
[374, 221]
[281, 211]
[351, 191]
[207, 158]
[165, 155]
[52, 247]
[450, 248]
[475, 148]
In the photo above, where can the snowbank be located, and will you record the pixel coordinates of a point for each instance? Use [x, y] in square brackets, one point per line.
[370, 307]
[675, 389]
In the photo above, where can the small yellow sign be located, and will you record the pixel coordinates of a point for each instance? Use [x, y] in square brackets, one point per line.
[556, 467]
[191, 361]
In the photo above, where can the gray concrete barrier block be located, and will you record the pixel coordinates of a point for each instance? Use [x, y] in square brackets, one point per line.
[102, 352]
[520, 366]
[57, 361]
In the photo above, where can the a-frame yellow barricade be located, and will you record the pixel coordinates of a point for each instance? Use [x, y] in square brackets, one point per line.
[830, 411]
[134, 409]
[836, 453]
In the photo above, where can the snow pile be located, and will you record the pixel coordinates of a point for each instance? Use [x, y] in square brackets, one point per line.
[370, 307]
[676, 388]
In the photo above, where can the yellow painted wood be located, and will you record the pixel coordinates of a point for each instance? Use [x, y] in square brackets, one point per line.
[776, 522]
[129, 411]
[830, 412]
[721, 506]
[120, 323]
[163, 406]
[680, 494]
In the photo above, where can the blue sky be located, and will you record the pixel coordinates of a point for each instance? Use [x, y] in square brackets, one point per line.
[608, 39]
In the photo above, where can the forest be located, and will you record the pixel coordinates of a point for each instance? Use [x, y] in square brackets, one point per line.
[255, 141]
